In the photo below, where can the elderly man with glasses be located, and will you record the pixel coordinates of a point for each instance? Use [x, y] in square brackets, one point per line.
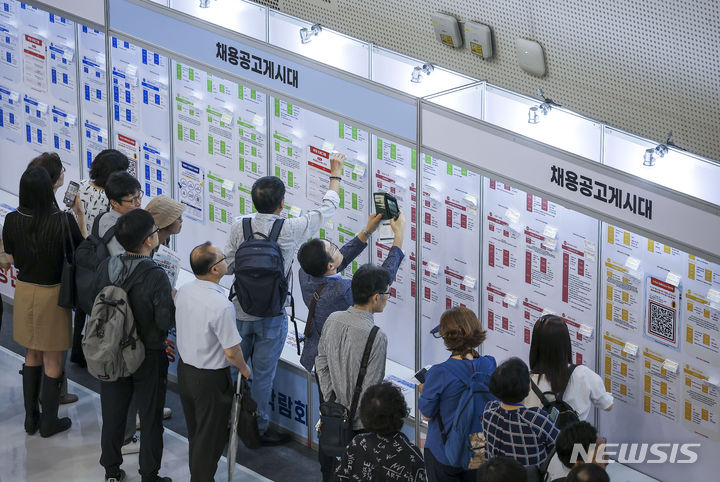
[208, 342]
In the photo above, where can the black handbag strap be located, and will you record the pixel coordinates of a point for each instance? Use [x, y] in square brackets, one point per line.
[67, 236]
[311, 310]
[558, 396]
[363, 370]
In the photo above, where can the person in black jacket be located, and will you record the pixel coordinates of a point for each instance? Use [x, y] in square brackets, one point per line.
[150, 298]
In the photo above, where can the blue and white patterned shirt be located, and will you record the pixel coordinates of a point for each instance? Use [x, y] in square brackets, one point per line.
[525, 434]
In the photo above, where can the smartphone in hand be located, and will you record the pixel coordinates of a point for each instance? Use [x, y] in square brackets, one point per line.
[70, 194]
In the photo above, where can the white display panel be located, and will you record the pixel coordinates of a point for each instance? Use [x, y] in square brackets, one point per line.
[451, 197]
[328, 47]
[38, 90]
[141, 120]
[245, 17]
[559, 128]
[680, 171]
[395, 70]
[93, 94]
[538, 257]
[219, 130]
[660, 354]
[301, 146]
[394, 168]
[468, 101]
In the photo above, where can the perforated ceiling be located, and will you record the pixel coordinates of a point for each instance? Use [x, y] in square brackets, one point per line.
[644, 66]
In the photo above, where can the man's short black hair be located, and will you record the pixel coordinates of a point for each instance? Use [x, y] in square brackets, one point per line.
[105, 163]
[202, 258]
[502, 469]
[367, 281]
[510, 382]
[588, 473]
[383, 408]
[581, 433]
[121, 184]
[133, 228]
[267, 194]
[313, 257]
[50, 161]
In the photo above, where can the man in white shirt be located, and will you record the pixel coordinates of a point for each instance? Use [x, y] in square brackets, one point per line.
[263, 338]
[208, 343]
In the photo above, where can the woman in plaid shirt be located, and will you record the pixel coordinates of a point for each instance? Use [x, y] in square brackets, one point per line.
[511, 429]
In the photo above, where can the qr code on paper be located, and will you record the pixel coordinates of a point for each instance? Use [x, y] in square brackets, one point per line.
[662, 322]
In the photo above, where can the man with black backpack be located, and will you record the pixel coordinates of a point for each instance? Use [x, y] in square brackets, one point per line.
[260, 252]
[149, 295]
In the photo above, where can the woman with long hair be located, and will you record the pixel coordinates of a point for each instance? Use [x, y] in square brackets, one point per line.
[462, 333]
[33, 236]
[551, 365]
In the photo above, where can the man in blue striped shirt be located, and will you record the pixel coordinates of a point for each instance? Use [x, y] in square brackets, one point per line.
[512, 430]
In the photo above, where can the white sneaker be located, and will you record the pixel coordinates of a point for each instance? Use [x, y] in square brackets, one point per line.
[131, 447]
[167, 413]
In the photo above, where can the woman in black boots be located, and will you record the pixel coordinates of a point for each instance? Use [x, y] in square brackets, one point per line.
[33, 236]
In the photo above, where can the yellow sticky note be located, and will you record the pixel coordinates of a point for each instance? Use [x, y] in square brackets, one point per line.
[706, 339]
[705, 388]
[623, 389]
[609, 293]
[608, 311]
[647, 363]
[705, 414]
[663, 388]
[608, 347]
[608, 385]
[623, 369]
[691, 256]
[690, 306]
[691, 271]
[625, 315]
[651, 245]
[608, 365]
[663, 407]
[688, 410]
[648, 383]
[663, 372]
[626, 238]
[689, 334]
[646, 404]
[666, 248]
[706, 313]
[625, 280]
[611, 235]
[708, 275]
[625, 297]
[688, 381]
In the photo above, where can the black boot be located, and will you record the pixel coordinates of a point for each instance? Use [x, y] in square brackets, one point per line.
[50, 424]
[77, 355]
[31, 390]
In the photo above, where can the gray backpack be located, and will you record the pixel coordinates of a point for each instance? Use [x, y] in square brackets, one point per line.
[111, 344]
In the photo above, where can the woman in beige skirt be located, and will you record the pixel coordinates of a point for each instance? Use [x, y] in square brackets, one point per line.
[33, 236]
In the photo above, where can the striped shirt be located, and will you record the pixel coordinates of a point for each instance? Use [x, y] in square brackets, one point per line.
[525, 434]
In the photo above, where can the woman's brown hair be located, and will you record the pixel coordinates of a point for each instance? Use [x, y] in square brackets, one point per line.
[461, 330]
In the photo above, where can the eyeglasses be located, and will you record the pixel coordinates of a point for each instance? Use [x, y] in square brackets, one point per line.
[133, 200]
[436, 334]
[157, 228]
[384, 292]
[333, 248]
[62, 170]
[217, 262]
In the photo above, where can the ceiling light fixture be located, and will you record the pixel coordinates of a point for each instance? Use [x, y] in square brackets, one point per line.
[545, 107]
[307, 34]
[651, 155]
[417, 73]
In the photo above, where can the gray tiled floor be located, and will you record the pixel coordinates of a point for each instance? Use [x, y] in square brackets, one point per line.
[73, 455]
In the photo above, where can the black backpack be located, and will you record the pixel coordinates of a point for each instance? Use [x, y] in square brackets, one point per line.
[88, 256]
[559, 410]
[261, 284]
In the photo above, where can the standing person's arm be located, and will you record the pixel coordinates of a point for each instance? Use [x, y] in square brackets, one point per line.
[429, 401]
[227, 334]
[5, 259]
[315, 218]
[79, 210]
[162, 299]
[321, 362]
[233, 242]
[357, 245]
[395, 256]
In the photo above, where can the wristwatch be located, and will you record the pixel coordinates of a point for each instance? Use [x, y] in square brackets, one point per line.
[367, 235]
